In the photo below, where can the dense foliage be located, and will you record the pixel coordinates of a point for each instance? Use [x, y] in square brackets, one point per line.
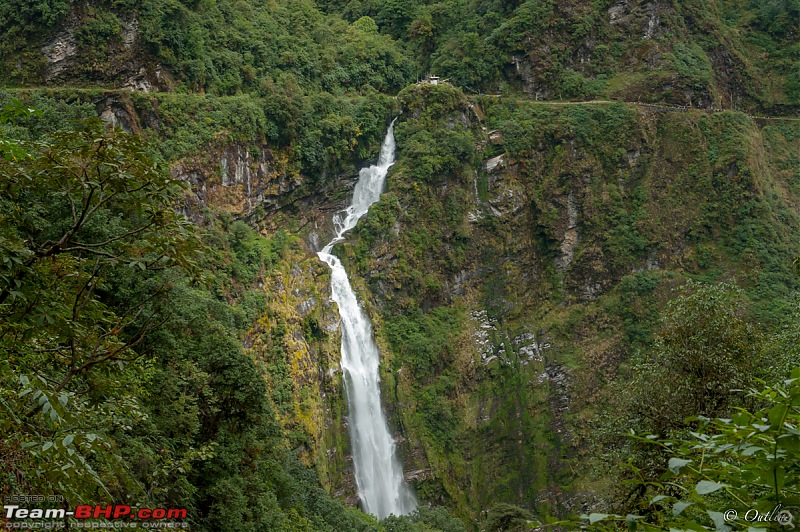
[542, 277]
[232, 46]
[123, 374]
[705, 349]
[580, 50]
[725, 53]
[319, 133]
[508, 348]
[726, 473]
[223, 47]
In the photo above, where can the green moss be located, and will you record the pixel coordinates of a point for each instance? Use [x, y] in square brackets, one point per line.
[673, 196]
[692, 64]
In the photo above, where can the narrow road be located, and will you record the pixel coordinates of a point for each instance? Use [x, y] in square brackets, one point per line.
[681, 108]
[656, 107]
[556, 103]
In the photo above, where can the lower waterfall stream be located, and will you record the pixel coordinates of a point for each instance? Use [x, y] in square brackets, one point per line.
[378, 471]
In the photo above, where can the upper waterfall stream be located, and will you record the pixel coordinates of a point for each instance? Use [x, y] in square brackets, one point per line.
[379, 474]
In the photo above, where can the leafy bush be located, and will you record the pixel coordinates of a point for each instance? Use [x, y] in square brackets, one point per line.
[468, 61]
[423, 341]
[25, 15]
[779, 17]
[640, 283]
[704, 351]
[692, 64]
[434, 155]
[726, 470]
[98, 30]
[507, 517]
[793, 83]
[424, 519]
[576, 85]
[530, 17]
[122, 379]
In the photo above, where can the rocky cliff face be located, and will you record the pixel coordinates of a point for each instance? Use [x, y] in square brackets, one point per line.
[246, 177]
[510, 291]
[297, 345]
[645, 50]
[120, 61]
[236, 177]
[296, 342]
[515, 264]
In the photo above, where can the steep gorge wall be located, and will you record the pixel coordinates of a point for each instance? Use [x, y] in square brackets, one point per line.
[238, 174]
[512, 270]
[518, 262]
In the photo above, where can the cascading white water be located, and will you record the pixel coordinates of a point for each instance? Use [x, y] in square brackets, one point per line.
[379, 474]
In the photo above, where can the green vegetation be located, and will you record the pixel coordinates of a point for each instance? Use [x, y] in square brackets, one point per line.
[224, 47]
[319, 133]
[726, 53]
[713, 214]
[124, 378]
[543, 344]
[692, 64]
[682, 53]
[620, 268]
[301, 44]
[705, 349]
[124, 374]
[725, 472]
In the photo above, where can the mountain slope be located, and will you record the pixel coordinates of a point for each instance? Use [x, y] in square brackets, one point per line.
[517, 270]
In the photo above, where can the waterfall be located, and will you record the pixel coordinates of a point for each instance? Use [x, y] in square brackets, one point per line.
[379, 474]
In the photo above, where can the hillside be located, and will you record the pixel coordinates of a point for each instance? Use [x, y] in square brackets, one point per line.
[520, 271]
[591, 228]
[732, 54]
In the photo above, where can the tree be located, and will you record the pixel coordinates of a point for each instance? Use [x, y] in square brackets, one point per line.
[704, 351]
[727, 470]
[504, 517]
[424, 519]
[123, 378]
[77, 210]
[704, 354]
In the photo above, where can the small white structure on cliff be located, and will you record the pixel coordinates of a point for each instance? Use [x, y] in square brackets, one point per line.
[430, 80]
